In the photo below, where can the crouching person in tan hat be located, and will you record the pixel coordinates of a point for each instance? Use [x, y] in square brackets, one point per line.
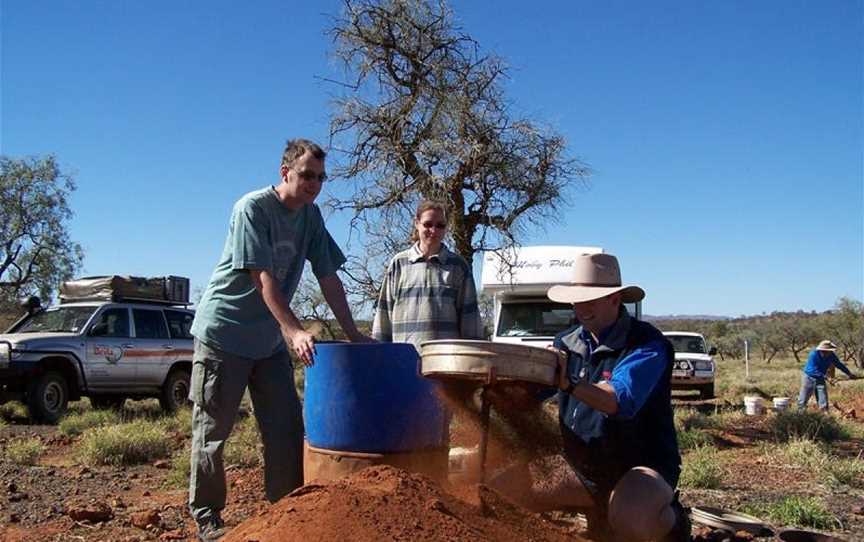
[615, 409]
[819, 361]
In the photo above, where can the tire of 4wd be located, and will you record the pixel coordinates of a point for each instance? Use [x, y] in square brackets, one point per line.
[103, 402]
[48, 397]
[707, 391]
[175, 390]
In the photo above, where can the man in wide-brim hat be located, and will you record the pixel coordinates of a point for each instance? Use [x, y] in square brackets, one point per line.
[819, 362]
[615, 408]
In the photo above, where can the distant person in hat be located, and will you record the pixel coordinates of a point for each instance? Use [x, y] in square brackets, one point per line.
[818, 363]
[615, 416]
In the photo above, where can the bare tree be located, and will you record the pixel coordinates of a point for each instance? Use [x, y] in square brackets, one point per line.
[36, 253]
[424, 116]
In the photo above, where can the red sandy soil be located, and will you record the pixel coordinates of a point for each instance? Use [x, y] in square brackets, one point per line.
[385, 503]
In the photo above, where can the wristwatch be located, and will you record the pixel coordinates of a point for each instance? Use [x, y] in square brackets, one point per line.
[572, 382]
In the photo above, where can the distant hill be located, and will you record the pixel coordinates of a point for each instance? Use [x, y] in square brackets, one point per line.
[658, 318]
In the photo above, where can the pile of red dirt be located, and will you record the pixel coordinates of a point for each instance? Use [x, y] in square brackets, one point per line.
[385, 503]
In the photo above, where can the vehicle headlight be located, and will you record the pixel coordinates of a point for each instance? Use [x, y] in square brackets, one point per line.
[702, 365]
[682, 365]
[7, 352]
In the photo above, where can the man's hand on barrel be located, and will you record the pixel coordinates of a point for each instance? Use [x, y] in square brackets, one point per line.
[302, 343]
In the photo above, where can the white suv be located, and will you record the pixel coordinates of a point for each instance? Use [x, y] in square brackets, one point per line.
[105, 350]
[694, 365]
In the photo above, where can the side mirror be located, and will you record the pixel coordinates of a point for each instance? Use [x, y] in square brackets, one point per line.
[31, 304]
[99, 330]
[712, 351]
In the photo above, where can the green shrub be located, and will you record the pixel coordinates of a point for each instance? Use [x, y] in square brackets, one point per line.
[12, 410]
[241, 449]
[702, 468]
[848, 472]
[139, 441]
[75, 424]
[179, 422]
[24, 452]
[798, 511]
[688, 418]
[803, 453]
[693, 438]
[806, 425]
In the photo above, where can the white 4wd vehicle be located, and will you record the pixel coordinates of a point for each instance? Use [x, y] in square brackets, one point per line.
[694, 365]
[105, 350]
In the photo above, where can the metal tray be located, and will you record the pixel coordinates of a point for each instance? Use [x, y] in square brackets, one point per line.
[468, 359]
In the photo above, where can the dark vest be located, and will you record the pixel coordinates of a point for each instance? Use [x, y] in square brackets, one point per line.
[603, 448]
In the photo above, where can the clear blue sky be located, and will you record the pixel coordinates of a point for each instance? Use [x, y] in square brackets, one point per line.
[725, 137]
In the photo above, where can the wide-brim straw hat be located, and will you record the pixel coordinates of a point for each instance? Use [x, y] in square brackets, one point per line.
[594, 276]
[827, 346]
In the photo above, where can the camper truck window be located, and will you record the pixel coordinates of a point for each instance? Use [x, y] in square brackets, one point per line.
[541, 319]
[57, 320]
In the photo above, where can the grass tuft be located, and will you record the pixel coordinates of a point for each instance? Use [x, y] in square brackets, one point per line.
[13, 409]
[702, 468]
[798, 511]
[75, 424]
[844, 472]
[809, 425]
[25, 451]
[139, 441]
[693, 438]
[178, 476]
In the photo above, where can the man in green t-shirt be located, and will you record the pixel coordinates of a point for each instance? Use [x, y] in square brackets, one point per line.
[243, 322]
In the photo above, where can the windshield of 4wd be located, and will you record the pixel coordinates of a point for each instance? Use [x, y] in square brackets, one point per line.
[687, 343]
[59, 319]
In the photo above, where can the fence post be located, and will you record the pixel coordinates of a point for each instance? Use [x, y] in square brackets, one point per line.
[746, 359]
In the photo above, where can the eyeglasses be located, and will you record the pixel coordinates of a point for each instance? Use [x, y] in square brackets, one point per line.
[310, 176]
[436, 225]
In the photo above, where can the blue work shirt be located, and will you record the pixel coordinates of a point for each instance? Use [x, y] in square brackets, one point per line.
[636, 360]
[633, 378]
[817, 364]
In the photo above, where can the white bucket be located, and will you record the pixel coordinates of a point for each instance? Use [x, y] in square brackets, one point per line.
[781, 403]
[753, 406]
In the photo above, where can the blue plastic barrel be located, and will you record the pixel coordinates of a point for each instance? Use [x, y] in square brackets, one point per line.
[371, 398]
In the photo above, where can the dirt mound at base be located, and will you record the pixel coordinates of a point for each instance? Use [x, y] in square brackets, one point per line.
[385, 503]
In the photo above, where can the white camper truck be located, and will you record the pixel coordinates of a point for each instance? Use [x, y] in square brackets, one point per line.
[523, 313]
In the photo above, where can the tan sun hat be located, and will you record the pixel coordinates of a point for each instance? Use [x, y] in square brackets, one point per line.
[827, 345]
[594, 276]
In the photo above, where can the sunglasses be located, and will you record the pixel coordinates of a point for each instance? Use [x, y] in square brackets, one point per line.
[309, 176]
[436, 225]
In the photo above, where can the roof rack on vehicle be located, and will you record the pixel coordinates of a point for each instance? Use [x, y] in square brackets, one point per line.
[168, 290]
